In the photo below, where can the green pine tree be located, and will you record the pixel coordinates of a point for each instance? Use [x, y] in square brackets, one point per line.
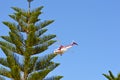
[26, 39]
[110, 76]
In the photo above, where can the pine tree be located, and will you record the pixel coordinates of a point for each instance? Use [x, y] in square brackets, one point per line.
[26, 39]
[111, 76]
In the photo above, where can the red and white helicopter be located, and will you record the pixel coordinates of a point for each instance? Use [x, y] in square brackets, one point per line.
[62, 48]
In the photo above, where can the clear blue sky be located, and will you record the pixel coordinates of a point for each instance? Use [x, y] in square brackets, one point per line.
[94, 24]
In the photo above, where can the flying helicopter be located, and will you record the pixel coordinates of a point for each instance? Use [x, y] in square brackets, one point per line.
[61, 49]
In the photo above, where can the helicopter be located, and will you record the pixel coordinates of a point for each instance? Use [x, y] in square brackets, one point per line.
[61, 49]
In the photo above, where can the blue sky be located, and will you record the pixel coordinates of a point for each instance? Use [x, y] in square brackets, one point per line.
[93, 24]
